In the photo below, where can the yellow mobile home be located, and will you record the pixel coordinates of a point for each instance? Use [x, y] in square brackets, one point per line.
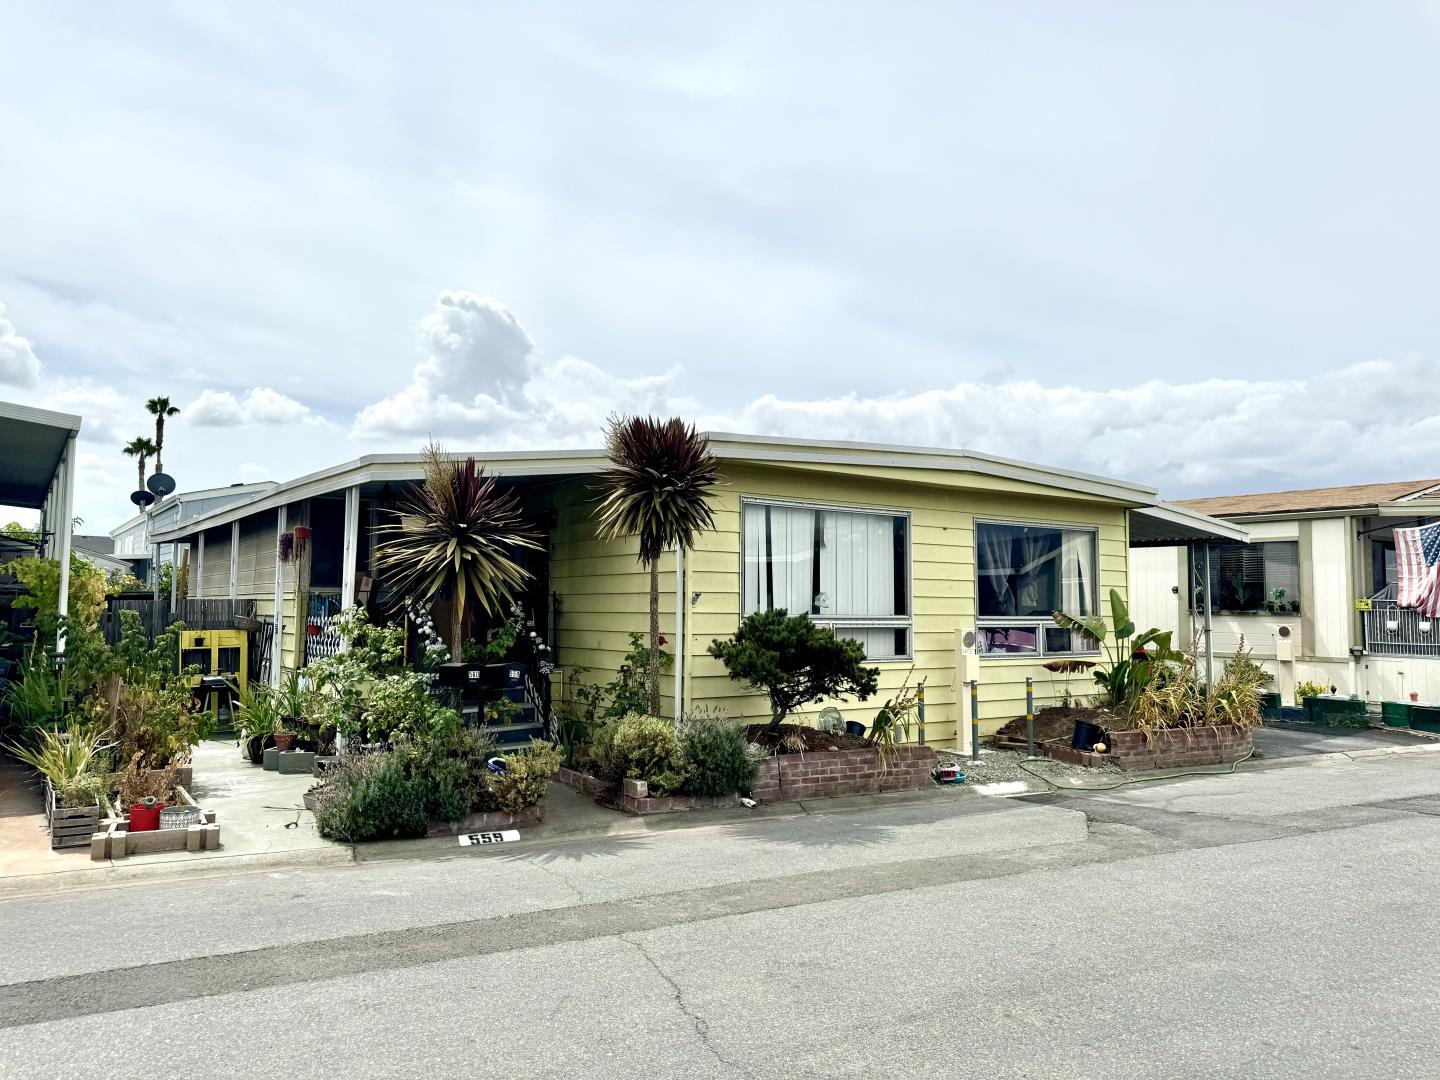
[946, 562]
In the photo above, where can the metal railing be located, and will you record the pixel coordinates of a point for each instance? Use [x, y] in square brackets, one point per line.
[1391, 630]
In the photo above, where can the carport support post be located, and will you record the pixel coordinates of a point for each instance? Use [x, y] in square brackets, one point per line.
[66, 476]
[277, 651]
[350, 550]
[974, 719]
[1029, 716]
[1209, 637]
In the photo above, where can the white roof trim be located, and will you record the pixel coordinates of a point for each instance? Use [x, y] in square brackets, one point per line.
[1192, 521]
[31, 415]
[728, 446]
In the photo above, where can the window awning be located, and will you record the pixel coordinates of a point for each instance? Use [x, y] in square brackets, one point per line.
[1168, 525]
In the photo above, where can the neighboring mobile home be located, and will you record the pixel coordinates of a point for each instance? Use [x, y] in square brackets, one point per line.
[908, 550]
[1313, 594]
[132, 539]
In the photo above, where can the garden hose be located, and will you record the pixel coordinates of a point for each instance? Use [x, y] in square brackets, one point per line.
[1141, 779]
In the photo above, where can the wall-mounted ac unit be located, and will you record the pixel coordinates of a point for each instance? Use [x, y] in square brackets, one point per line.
[967, 656]
[1287, 643]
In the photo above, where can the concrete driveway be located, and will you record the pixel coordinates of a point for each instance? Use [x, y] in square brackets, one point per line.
[1287, 740]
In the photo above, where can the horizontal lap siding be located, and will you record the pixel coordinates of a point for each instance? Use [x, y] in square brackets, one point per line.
[603, 592]
[943, 508]
[215, 574]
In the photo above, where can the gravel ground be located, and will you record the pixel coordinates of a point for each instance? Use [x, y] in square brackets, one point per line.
[1003, 766]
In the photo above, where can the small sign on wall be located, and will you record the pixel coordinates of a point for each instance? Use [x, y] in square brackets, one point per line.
[1362, 603]
[503, 836]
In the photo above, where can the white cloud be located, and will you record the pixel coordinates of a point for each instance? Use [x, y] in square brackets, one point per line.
[1375, 420]
[258, 405]
[19, 366]
[252, 471]
[481, 380]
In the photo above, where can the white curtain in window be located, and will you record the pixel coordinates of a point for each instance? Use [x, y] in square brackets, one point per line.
[779, 559]
[995, 558]
[857, 565]
[1036, 555]
[1077, 591]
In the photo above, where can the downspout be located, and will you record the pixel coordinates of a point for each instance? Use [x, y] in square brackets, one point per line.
[679, 633]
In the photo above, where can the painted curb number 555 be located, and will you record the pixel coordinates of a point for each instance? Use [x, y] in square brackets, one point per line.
[503, 837]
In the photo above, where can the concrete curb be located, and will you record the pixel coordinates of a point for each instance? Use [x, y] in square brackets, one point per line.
[130, 873]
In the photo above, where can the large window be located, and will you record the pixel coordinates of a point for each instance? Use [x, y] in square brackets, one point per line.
[1024, 573]
[848, 569]
[1248, 579]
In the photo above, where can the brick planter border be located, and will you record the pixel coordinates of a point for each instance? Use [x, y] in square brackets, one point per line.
[1173, 748]
[823, 774]
[489, 821]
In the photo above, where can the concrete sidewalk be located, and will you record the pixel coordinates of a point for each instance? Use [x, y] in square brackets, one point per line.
[262, 824]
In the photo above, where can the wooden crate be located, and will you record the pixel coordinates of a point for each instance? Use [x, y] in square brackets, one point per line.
[70, 826]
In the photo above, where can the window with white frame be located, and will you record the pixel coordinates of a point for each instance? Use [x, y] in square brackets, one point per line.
[847, 569]
[1025, 573]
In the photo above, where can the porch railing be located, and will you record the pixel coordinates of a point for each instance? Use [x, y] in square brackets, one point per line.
[1391, 630]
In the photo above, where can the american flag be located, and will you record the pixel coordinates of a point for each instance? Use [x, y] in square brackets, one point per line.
[1417, 558]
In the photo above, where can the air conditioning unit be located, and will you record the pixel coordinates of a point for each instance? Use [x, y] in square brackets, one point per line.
[1287, 644]
[967, 656]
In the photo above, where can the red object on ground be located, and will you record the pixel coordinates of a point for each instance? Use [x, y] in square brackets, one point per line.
[145, 818]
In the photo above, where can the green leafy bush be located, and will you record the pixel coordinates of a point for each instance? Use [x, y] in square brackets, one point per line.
[636, 746]
[373, 797]
[527, 776]
[451, 761]
[715, 757]
[1309, 689]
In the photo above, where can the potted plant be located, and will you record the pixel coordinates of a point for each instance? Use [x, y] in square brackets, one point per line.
[291, 700]
[257, 713]
[285, 736]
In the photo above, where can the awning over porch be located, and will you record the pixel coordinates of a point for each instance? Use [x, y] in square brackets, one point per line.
[1167, 525]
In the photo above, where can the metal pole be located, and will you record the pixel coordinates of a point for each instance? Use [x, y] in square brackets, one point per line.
[1209, 637]
[1029, 716]
[974, 720]
[920, 714]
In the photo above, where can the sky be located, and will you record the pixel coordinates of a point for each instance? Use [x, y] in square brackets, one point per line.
[1190, 245]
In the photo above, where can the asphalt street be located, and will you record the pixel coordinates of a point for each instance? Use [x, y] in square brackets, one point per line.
[1268, 924]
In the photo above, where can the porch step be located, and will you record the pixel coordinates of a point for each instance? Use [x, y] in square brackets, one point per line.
[517, 734]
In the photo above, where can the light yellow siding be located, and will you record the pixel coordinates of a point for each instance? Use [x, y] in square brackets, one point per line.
[603, 591]
[943, 508]
[216, 571]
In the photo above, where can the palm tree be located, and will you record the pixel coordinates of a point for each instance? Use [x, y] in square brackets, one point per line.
[455, 530]
[161, 409]
[142, 448]
[657, 488]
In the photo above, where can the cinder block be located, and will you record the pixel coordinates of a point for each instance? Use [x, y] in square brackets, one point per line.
[195, 838]
[294, 762]
[636, 789]
[99, 847]
[271, 760]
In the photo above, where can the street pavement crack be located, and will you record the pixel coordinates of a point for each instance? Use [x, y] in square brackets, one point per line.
[701, 1026]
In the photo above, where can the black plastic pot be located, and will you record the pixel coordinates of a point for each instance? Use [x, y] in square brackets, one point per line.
[1086, 735]
[854, 727]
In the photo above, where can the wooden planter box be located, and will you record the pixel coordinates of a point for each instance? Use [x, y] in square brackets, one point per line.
[70, 826]
[117, 841]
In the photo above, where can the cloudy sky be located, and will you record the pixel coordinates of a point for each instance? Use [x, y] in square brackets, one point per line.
[1192, 245]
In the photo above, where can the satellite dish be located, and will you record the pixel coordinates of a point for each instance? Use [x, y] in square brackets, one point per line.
[161, 484]
[141, 497]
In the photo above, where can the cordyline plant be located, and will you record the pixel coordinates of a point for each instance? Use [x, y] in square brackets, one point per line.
[456, 531]
[657, 488]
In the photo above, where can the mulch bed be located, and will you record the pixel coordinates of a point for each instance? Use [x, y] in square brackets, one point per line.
[1058, 722]
[816, 741]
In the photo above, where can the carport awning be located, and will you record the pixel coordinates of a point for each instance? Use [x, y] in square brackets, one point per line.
[1167, 525]
[32, 442]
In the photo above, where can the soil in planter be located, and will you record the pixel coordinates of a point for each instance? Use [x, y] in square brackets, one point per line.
[1058, 722]
[815, 739]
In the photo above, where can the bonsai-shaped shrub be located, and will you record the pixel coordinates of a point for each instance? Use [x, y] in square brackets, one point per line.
[795, 662]
[527, 776]
[715, 757]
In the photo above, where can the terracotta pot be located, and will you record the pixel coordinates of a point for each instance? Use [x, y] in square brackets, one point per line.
[1414, 695]
[284, 741]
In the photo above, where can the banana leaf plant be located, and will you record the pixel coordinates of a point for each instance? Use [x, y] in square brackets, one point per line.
[1131, 657]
